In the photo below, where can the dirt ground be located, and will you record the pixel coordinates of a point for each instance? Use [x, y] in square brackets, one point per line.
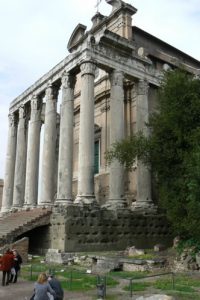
[22, 290]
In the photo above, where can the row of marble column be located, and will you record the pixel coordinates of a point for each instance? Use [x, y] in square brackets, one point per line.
[22, 161]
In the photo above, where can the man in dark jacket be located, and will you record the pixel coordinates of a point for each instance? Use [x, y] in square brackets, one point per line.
[56, 286]
[6, 265]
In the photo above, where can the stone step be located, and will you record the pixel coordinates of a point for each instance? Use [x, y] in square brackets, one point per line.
[12, 223]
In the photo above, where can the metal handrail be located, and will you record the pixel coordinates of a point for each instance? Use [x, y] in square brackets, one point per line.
[148, 276]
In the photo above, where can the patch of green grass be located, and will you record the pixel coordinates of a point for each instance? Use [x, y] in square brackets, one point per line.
[137, 286]
[184, 296]
[187, 280]
[126, 275]
[166, 285]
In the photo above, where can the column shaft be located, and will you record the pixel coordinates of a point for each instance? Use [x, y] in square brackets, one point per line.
[20, 164]
[33, 153]
[143, 199]
[10, 165]
[49, 148]
[65, 163]
[116, 178]
[86, 136]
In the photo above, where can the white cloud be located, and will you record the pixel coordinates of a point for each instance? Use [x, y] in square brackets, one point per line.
[34, 36]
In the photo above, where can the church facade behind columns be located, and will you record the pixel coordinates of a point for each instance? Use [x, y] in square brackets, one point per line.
[108, 87]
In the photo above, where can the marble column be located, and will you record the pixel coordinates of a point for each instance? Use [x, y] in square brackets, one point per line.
[86, 136]
[143, 199]
[65, 161]
[49, 148]
[7, 199]
[116, 178]
[33, 153]
[20, 164]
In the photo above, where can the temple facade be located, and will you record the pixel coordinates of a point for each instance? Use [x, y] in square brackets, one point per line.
[108, 88]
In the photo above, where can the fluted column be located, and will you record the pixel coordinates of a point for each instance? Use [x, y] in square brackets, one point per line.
[116, 178]
[33, 153]
[7, 199]
[49, 148]
[65, 162]
[86, 136]
[143, 198]
[20, 164]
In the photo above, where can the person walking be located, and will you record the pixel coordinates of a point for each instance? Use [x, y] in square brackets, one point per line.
[6, 265]
[17, 261]
[56, 286]
[42, 289]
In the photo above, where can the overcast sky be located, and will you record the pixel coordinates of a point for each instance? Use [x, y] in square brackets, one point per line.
[34, 36]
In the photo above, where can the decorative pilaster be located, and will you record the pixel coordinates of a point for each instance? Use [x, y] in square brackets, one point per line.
[10, 165]
[143, 199]
[116, 178]
[86, 136]
[20, 164]
[33, 152]
[65, 162]
[49, 148]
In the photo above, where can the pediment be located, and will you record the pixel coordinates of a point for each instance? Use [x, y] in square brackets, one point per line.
[76, 35]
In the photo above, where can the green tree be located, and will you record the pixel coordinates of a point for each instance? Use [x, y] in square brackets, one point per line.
[172, 150]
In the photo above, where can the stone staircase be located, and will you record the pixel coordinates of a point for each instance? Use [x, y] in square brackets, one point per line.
[17, 223]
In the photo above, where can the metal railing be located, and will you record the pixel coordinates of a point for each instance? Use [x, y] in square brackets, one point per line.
[149, 276]
[101, 281]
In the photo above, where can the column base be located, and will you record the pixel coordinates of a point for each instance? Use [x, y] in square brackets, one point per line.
[5, 210]
[45, 205]
[28, 207]
[85, 200]
[16, 208]
[115, 204]
[64, 202]
[144, 207]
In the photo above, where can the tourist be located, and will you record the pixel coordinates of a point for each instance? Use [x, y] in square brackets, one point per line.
[56, 286]
[42, 289]
[16, 266]
[6, 265]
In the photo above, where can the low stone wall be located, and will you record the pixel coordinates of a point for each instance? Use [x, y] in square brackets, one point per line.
[94, 229]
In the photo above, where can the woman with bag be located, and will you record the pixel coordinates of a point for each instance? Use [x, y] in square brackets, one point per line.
[42, 289]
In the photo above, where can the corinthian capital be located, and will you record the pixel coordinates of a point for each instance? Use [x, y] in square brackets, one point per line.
[68, 80]
[88, 67]
[51, 93]
[34, 103]
[143, 87]
[116, 78]
[21, 112]
[12, 120]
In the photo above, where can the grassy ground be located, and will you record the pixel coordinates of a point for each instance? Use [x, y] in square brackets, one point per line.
[76, 278]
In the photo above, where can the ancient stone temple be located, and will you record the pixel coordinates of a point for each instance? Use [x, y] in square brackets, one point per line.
[108, 86]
